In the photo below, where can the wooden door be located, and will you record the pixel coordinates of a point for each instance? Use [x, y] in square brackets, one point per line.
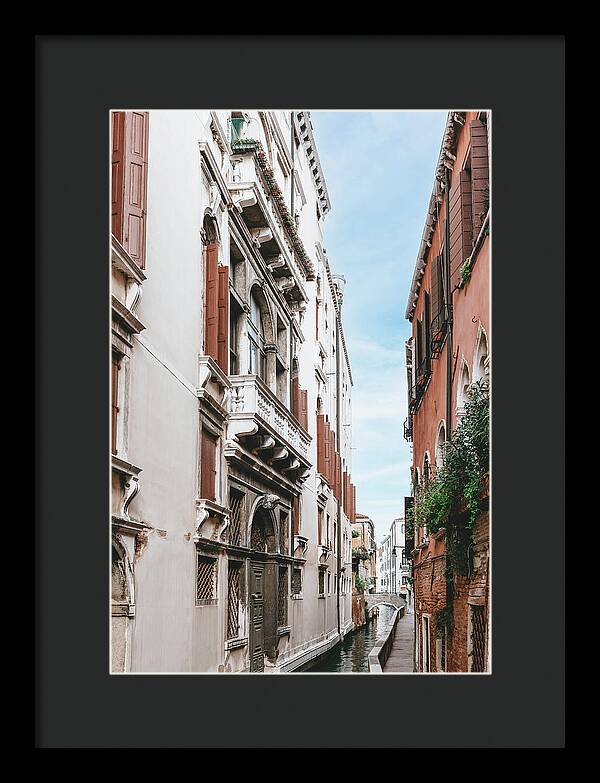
[257, 605]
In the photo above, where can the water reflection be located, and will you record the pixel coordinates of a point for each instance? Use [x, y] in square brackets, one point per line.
[353, 653]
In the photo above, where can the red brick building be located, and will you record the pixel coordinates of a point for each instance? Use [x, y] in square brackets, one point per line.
[449, 350]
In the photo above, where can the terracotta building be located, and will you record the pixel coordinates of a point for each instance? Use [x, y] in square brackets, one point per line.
[231, 397]
[364, 565]
[449, 350]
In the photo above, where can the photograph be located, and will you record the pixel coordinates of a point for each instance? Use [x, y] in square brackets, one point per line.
[299, 358]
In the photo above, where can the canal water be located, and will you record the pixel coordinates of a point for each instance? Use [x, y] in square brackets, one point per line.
[353, 653]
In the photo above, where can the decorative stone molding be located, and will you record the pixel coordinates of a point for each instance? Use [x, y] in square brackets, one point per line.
[276, 262]
[286, 283]
[129, 476]
[324, 554]
[268, 501]
[125, 317]
[122, 261]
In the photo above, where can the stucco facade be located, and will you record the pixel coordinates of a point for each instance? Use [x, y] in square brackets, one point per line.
[449, 309]
[231, 517]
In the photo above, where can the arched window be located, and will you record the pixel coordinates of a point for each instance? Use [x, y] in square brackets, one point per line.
[462, 392]
[481, 358]
[256, 335]
[440, 444]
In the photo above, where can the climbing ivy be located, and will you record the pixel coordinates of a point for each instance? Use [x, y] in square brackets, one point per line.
[466, 462]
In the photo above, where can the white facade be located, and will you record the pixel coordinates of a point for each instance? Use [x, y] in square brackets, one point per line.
[394, 570]
[195, 573]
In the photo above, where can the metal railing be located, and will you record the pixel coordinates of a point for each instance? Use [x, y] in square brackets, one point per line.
[379, 654]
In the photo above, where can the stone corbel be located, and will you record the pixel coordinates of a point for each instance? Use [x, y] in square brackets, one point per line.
[211, 521]
[132, 294]
[244, 197]
[215, 198]
[294, 465]
[261, 235]
[131, 486]
[303, 475]
[301, 542]
[276, 263]
[266, 442]
[238, 428]
[279, 454]
[286, 283]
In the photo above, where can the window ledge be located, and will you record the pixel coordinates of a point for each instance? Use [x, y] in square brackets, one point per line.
[284, 630]
[233, 644]
[297, 597]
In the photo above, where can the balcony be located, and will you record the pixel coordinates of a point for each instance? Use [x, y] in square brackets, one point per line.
[422, 376]
[408, 428]
[266, 429]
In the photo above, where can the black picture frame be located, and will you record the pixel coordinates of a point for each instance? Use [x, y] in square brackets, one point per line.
[78, 79]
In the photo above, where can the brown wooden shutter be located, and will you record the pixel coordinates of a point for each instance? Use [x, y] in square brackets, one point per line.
[480, 174]
[437, 295]
[321, 443]
[208, 466]
[327, 459]
[135, 177]
[303, 417]
[354, 504]
[117, 164]
[338, 476]
[223, 320]
[115, 403]
[211, 301]
[461, 225]
[296, 398]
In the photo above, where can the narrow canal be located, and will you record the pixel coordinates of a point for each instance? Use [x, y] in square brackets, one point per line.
[353, 653]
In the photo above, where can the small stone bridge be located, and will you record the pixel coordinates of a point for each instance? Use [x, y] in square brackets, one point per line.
[373, 599]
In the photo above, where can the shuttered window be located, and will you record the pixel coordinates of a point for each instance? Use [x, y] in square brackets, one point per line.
[303, 417]
[206, 580]
[297, 582]
[296, 515]
[222, 355]
[427, 328]
[419, 346]
[129, 181]
[321, 444]
[211, 307]
[461, 224]
[208, 467]
[479, 174]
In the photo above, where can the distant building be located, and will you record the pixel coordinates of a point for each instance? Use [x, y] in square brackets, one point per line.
[394, 563]
[364, 564]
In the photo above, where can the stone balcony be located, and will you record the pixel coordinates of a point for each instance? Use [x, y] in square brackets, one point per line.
[266, 429]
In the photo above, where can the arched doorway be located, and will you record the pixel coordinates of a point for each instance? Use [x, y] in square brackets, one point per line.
[262, 589]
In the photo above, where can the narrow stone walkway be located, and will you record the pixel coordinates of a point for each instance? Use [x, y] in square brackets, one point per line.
[401, 656]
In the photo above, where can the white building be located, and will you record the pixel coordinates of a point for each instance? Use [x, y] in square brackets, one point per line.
[231, 546]
[394, 569]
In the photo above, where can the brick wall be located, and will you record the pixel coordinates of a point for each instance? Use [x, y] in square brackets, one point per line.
[429, 598]
[470, 590]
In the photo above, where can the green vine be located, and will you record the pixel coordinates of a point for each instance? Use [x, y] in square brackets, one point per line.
[362, 553]
[460, 480]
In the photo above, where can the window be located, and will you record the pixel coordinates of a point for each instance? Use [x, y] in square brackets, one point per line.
[321, 583]
[462, 392]
[208, 466]
[234, 570]
[234, 351]
[481, 359]
[440, 444]
[477, 640]
[282, 597]
[284, 527]
[206, 580]
[427, 330]
[328, 583]
[236, 505]
[115, 403]
[257, 340]
[320, 525]
[297, 582]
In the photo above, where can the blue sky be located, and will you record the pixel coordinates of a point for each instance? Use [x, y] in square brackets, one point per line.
[379, 168]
